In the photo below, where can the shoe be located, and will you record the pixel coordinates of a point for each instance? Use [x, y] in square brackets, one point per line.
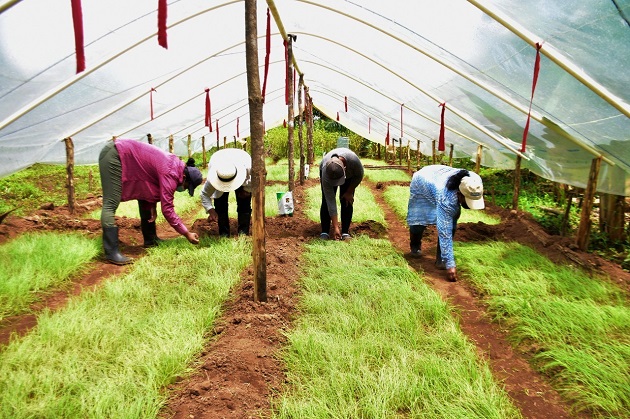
[415, 253]
[345, 236]
[324, 236]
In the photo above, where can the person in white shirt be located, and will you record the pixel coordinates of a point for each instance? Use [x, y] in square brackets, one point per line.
[228, 170]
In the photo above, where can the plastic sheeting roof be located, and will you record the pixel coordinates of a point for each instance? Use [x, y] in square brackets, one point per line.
[395, 61]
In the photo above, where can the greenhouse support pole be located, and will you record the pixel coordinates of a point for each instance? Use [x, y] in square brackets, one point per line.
[517, 182]
[450, 156]
[378, 151]
[70, 173]
[433, 152]
[257, 133]
[149, 138]
[478, 158]
[584, 228]
[189, 140]
[310, 158]
[567, 212]
[418, 155]
[290, 112]
[300, 123]
[170, 144]
[203, 150]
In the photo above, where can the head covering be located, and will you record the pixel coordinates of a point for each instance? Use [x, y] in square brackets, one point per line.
[190, 162]
[472, 189]
[194, 177]
[228, 169]
[334, 173]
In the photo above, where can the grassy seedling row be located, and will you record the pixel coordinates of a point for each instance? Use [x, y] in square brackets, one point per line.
[111, 352]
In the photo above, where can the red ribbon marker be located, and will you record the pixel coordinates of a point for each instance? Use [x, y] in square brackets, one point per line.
[77, 21]
[208, 121]
[441, 146]
[162, 12]
[267, 53]
[531, 100]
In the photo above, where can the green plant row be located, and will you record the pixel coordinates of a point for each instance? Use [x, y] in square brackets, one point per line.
[374, 341]
[111, 352]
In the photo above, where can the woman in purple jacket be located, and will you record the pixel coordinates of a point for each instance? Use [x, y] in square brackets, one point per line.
[134, 170]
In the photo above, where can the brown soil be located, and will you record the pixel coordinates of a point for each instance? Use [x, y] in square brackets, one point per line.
[240, 368]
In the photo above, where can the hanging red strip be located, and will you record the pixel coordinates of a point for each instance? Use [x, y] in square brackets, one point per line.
[441, 145]
[337, 116]
[267, 53]
[77, 20]
[387, 137]
[284, 123]
[286, 75]
[208, 121]
[151, 100]
[531, 100]
[162, 12]
[346, 102]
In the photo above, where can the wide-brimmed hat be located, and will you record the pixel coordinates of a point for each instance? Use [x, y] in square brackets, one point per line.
[472, 189]
[334, 173]
[194, 177]
[227, 169]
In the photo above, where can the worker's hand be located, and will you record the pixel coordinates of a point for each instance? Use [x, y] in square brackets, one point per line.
[212, 215]
[451, 274]
[192, 237]
[153, 215]
[336, 232]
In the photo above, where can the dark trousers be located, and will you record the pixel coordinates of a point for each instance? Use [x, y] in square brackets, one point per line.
[415, 239]
[345, 212]
[243, 209]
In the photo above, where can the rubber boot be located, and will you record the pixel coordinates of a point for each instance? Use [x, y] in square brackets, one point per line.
[149, 233]
[244, 219]
[415, 244]
[224, 225]
[415, 240]
[110, 246]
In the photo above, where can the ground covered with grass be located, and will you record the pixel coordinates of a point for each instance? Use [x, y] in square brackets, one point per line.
[343, 333]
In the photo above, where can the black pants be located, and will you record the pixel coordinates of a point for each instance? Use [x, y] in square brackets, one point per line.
[243, 209]
[345, 212]
[416, 232]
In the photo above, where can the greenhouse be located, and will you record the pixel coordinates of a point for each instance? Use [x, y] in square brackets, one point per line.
[281, 322]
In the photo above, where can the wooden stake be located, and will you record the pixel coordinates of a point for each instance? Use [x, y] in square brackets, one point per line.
[203, 151]
[450, 156]
[300, 137]
[188, 143]
[478, 159]
[170, 144]
[434, 152]
[584, 228]
[310, 158]
[290, 115]
[258, 151]
[150, 138]
[70, 173]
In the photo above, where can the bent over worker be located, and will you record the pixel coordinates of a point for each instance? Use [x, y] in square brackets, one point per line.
[228, 170]
[340, 168]
[437, 194]
[133, 170]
